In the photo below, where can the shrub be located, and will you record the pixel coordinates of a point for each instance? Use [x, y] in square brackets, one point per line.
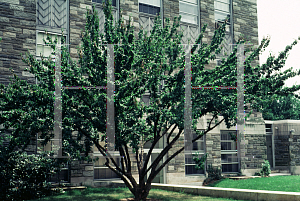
[265, 169]
[257, 174]
[214, 173]
[24, 177]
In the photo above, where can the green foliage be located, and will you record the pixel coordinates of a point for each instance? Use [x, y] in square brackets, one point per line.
[214, 173]
[265, 169]
[200, 161]
[281, 107]
[233, 136]
[257, 174]
[24, 177]
[141, 65]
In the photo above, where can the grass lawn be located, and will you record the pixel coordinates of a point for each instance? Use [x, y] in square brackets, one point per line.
[276, 183]
[115, 194]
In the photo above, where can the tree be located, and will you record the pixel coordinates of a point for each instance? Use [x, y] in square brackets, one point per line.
[140, 65]
[23, 176]
[281, 107]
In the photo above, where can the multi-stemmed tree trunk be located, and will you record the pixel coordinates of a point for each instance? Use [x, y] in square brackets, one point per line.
[140, 66]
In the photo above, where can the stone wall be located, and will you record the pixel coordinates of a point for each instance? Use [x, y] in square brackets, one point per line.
[281, 141]
[213, 148]
[253, 146]
[256, 150]
[17, 30]
[82, 173]
[294, 147]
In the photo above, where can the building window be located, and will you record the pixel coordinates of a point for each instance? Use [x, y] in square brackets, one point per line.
[198, 147]
[222, 10]
[149, 6]
[114, 2]
[148, 9]
[64, 174]
[51, 16]
[188, 9]
[41, 47]
[144, 8]
[103, 172]
[99, 8]
[229, 154]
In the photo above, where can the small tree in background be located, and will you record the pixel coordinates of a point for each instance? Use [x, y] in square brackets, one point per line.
[140, 65]
[281, 107]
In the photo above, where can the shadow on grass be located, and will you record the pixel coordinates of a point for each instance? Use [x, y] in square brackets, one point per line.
[115, 194]
[214, 183]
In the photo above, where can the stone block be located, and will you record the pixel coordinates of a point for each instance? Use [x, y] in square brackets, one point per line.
[88, 173]
[15, 2]
[29, 31]
[295, 170]
[4, 19]
[16, 7]
[89, 168]
[9, 34]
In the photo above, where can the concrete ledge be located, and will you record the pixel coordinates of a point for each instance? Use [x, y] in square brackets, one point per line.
[71, 188]
[239, 194]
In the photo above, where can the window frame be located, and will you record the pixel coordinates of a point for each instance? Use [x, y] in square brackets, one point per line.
[96, 154]
[230, 152]
[114, 9]
[53, 30]
[191, 152]
[198, 13]
[93, 1]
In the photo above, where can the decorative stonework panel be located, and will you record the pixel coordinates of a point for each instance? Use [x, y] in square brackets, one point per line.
[190, 33]
[52, 13]
[102, 18]
[146, 23]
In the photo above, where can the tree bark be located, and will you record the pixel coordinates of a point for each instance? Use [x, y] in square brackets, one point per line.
[142, 192]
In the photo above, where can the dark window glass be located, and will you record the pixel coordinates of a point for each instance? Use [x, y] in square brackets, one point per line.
[190, 165]
[144, 8]
[230, 167]
[104, 173]
[190, 169]
[114, 2]
[62, 176]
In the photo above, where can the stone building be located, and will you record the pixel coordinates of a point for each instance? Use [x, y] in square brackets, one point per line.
[282, 140]
[22, 29]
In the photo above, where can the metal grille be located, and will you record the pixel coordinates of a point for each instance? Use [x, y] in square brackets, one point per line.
[52, 13]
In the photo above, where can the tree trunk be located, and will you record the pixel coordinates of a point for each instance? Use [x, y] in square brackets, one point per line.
[142, 192]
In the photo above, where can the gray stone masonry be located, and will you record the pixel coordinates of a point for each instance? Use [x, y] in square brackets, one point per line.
[213, 148]
[256, 151]
[295, 150]
[17, 30]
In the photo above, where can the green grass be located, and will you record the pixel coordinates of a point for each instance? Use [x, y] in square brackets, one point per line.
[115, 194]
[277, 183]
